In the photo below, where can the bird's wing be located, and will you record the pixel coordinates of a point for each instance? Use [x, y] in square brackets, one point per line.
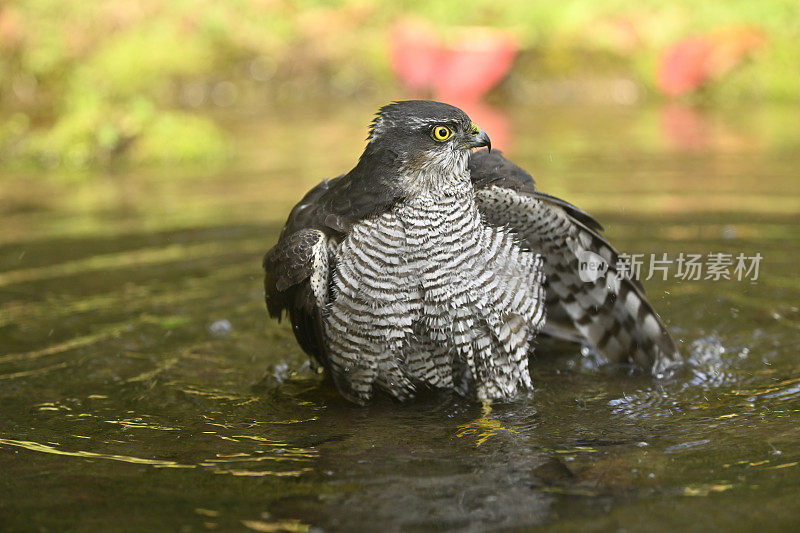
[297, 270]
[296, 281]
[299, 267]
[612, 314]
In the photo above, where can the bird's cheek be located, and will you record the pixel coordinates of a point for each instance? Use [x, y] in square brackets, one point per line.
[416, 161]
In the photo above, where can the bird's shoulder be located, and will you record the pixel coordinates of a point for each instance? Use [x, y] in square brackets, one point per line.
[370, 189]
[492, 169]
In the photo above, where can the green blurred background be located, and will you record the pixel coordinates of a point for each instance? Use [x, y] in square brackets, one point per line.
[87, 84]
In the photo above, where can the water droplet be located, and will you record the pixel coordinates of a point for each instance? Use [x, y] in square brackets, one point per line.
[220, 328]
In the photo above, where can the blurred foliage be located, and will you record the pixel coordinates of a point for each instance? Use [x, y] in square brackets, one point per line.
[87, 83]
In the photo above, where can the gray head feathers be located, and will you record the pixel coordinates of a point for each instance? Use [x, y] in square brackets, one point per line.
[409, 115]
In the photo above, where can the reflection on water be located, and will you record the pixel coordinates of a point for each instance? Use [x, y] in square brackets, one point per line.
[142, 386]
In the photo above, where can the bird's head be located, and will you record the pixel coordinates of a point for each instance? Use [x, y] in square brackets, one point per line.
[430, 140]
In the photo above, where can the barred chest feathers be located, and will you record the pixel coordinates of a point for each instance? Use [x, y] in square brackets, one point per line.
[429, 295]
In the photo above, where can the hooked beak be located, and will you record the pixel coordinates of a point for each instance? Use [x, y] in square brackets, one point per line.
[479, 138]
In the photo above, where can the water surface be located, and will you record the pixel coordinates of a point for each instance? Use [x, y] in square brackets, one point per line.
[143, 387]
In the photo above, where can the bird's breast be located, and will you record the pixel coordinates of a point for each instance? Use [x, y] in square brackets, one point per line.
[438, 230]
[429, 289]
[433, 247]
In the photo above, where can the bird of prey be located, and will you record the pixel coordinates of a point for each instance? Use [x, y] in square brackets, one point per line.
[433, 266]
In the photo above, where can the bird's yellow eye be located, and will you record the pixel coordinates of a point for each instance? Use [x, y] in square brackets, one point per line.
[441, 133]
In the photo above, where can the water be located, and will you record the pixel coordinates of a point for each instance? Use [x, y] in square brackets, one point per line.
[143, 387]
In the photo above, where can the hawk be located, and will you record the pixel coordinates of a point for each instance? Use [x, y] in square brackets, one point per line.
[430, 265]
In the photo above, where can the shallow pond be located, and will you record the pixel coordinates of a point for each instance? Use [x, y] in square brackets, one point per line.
[142, 386]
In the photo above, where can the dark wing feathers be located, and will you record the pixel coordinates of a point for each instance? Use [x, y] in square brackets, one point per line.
[371, 188]
[488, 168]
[614, 317]
[294, 270]
[291, 261]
